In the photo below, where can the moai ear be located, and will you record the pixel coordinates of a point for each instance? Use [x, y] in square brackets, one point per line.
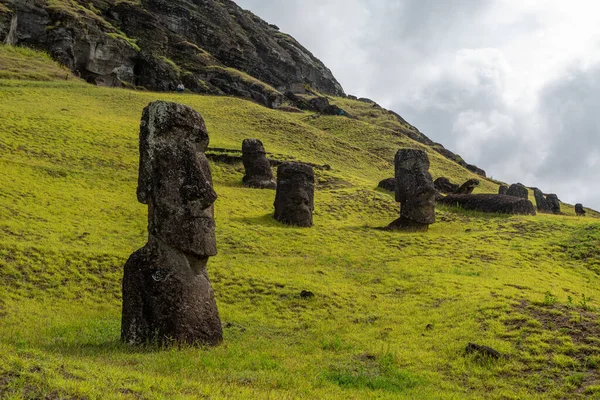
[146, 161]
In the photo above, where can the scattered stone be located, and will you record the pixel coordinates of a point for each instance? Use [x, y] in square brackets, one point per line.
[414, 191]
[579, 210]
[429, 327]
[518, 190]
[540, 201]
[491, 203]
[306, 294]
[468, 186]
[388, 184]
[484, 351]
[294, 199]
[444, 185]
[258, 170]
[502, 189]
[167, 296]
[553, 203]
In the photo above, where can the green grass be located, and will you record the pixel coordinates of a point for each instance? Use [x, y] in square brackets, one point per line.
[392, 312]
[27, 64]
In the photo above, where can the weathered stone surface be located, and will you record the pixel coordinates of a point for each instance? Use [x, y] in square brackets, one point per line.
[468, 186]
[444, 185]
[540, 201]
[518, 190]
[502, 189]
[475, 169]
[579, 210]
[167, 295]
[294, 199]
[388, 184]
[258, 169]
[414, 191]
[553, 203]
[492, 203]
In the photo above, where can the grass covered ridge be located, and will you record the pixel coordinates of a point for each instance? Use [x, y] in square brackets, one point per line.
[392, 312]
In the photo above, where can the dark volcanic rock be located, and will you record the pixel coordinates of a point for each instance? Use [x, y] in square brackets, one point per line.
[167, 296]
[388, 184]
[579, 209]
[540, 201]
[553, 203]
[492, 203]
[475, 169]
[414, 191]
[502, 189]
[445, 186]
[294, 199]
[258, 169]
[468, 186]
[484, 351]
[159, 43]
[518, 190]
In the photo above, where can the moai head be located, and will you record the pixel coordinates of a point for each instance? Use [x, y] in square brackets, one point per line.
[257, 167]
[553, 203]
[294, 199]
[414, 186]
[502, 189]
[175, 179]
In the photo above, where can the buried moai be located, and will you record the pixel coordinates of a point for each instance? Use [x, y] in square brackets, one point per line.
[258, 170]
[518, 190]
[502, 189]
[295, 195]
[468, 186]
[414, 191]
[540, 201]
[553, 203]
[167, 296]
[579, 210]
[443, 185]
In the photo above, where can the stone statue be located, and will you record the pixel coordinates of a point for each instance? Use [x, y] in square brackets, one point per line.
[579, 210]
[167, 296]
[414, 191]
[468, 186]
[540, 201]
[258, 170]
[518, 190]
[502, 189]
[553, 203]
[294, 199]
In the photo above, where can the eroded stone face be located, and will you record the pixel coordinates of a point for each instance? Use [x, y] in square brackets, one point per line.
[175, 179]
[258, 170]
[414, 190]
[294, 199]
[553, 203]
[167, 296]
[518, 190]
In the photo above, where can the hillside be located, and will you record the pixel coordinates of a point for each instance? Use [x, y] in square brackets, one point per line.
[392, 312]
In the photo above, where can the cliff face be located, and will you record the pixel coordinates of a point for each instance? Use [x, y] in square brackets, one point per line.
[212, 46]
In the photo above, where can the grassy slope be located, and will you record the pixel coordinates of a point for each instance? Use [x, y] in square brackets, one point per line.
[69, 220]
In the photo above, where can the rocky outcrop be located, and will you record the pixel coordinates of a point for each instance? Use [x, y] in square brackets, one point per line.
[295, 196]
[490, 203]
[414, 191]
[160, 43]
[167, 296]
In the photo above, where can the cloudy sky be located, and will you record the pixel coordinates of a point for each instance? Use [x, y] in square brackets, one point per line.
[513, 86]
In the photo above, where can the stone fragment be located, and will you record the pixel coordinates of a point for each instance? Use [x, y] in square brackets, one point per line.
[484, 351]
[294, 199]
[258, 170]
[414, 191]
[167, 296]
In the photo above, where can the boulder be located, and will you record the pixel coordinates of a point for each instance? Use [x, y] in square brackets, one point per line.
[444, 185]
[468, 186]
[553, 203]
[518, 190]
[502, 189]
[540, 201]
[294, 198]
[258, 169]
[388, 184]
[414, 191]
[579, 210]
[491, 203]
[167, 296]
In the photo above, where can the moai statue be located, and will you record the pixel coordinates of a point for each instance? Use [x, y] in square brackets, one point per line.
[540, 201]
[444, 185]
[167, 296]
[518, 190]
[579, 210]
[414, 191]
[294, 198]
[502, 189]
[553, 203]
[468, 186]
[258, 170]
